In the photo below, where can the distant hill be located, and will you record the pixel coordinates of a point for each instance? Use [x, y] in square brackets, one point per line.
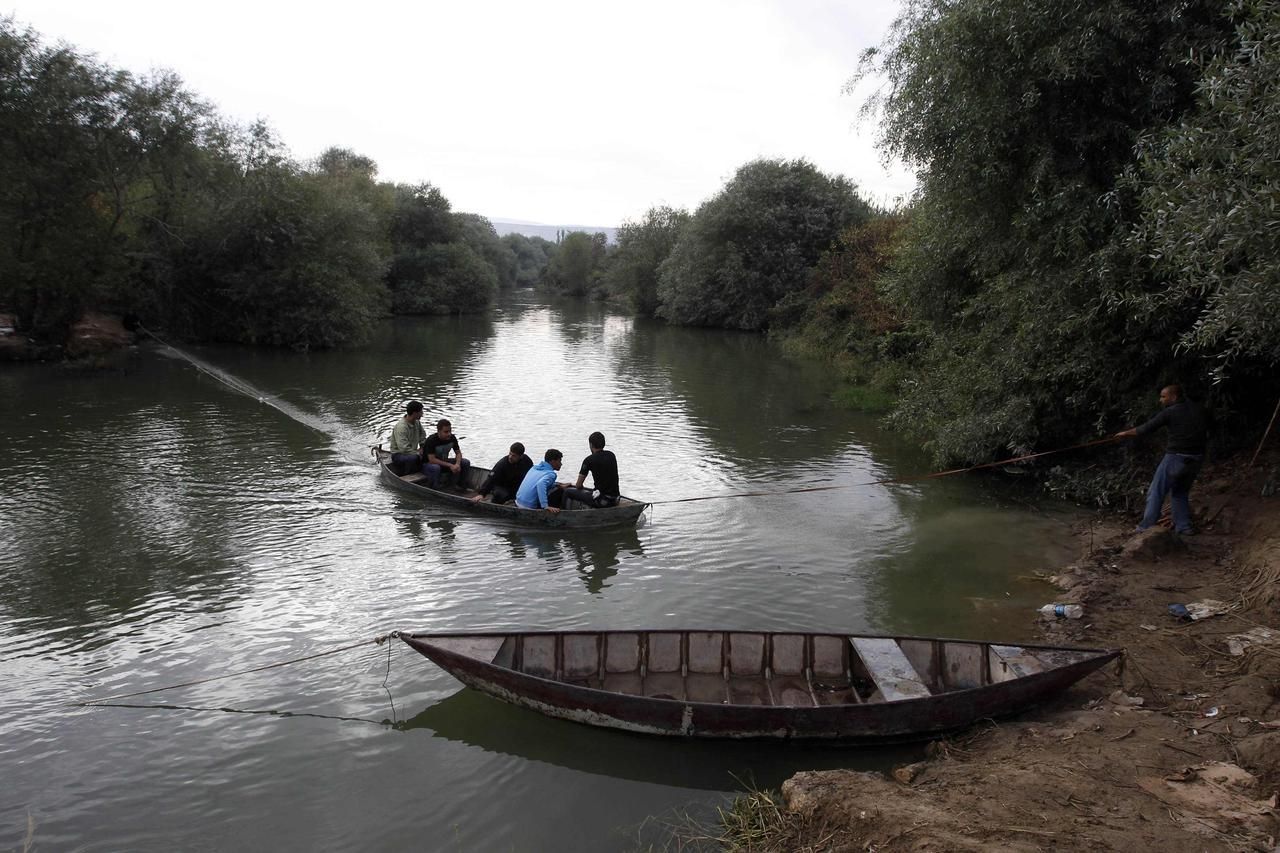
[548, 232]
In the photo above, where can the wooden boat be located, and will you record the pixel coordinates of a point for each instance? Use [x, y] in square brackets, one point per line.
[756, 684]
[459, 496]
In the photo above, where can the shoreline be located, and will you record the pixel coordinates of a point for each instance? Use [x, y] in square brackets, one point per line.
[1175, 749]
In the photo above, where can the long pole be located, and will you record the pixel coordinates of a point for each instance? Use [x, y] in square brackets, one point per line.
[1265, 434]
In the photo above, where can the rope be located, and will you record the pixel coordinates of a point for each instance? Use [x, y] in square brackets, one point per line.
[933, 476]
[379, 640]
[1265, 434]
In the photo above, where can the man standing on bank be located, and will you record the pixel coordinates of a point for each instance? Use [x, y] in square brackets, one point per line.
[407, 438]
[602, 465]
[1188, 435]
[435, 452]
[508, 474]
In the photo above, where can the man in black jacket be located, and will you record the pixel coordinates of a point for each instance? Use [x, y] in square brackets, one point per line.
[508, 473]
[1188, 426]
[602, 465]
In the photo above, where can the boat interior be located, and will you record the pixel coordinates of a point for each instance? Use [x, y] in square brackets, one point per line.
[757, 668]
[474, 480]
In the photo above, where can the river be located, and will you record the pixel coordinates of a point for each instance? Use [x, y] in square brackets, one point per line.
[158, 526]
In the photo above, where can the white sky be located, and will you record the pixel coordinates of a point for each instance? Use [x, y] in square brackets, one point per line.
[561, 112]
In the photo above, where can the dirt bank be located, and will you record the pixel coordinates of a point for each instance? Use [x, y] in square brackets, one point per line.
[1179, 750]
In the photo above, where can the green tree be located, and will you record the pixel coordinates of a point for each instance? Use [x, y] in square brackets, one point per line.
[575, 268]
[283, 256]
[442, 278]
[753, 243]
[632, 269]
[532, 254]
[478, 233]
[1020, 118]
[1208, 192]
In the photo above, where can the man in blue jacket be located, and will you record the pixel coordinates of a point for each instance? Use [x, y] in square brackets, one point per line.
[540, 489]
[1188, 426]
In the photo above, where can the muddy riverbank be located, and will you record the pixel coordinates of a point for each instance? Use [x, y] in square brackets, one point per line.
[1178, 749]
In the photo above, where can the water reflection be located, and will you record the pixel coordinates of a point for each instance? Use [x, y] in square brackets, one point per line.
[473, 718]
[157, 528]
[595, 554]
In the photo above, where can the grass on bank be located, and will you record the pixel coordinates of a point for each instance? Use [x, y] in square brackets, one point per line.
[753, 822]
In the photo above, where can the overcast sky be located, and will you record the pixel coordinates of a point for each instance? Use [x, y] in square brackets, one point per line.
[582, 113]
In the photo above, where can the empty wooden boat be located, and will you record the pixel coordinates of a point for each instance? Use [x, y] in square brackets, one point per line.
[459, 496]
[755, 684]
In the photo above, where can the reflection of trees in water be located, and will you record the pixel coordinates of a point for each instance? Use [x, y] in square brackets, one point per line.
[749, 401]
[596, 554]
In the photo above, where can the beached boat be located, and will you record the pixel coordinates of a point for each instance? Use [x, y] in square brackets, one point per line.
[459, 496]
[756, 684]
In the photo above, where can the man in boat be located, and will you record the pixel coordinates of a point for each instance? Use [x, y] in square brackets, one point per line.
[508, 474]
[539, 489]
[1188, 436]
[602, 465]
[407, 438]
[435, 451]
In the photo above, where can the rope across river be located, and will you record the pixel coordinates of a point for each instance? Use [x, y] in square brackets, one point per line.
[382, 638]
[889, 480]
[378, 640]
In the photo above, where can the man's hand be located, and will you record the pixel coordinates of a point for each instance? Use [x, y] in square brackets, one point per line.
[477, 498]
[553, 509]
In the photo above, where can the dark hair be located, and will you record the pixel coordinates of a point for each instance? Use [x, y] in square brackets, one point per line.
[596, 440]
[443, 422]
[552, 455]
[412, 406]
[517, 448]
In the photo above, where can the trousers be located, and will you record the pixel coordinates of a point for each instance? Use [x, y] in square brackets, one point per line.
[1174, 476]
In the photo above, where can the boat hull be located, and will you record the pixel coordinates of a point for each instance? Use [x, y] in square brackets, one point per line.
[877, 721]
[576, 517]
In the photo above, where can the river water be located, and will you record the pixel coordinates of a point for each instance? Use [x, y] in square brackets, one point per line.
[159, 527]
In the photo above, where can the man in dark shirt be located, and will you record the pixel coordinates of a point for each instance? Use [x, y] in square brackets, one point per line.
[602, 465]
[1188, 435]
[508, 474]
[435, 453]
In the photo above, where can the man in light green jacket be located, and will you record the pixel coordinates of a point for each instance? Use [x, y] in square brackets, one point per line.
[407, 438]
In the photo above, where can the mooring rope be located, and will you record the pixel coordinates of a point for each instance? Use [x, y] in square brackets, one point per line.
[889, 480]
[378, 640]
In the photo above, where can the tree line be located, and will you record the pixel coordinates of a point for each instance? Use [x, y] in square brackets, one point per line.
[132, 195]
[1095, 217]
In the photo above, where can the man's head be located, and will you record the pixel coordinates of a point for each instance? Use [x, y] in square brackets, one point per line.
[1170, 394]
[517, 450]
[413, 411]
[596, 440]
[554, 458]
[443, 428]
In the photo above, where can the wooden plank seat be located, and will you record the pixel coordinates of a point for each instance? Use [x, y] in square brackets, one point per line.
[1013, 662]
[889, 668]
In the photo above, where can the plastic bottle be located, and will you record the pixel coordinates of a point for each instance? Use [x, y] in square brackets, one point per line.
[1059, 611]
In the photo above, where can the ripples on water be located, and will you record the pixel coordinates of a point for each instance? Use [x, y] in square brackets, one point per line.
[156, 527]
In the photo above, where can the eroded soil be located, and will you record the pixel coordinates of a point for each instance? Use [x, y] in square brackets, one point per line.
[1177, 750]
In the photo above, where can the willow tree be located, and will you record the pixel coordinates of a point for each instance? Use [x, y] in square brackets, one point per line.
[1021, 117]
